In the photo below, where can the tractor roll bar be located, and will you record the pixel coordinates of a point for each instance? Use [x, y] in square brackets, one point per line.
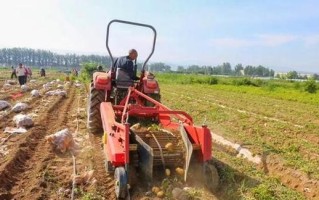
[135, 24]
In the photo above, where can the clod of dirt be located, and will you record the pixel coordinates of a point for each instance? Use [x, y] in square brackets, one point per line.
[77, 179]
[180, 171]
[3, 149]
[43, 184]
[155, 189]
[179, 194]
[145, 198]
[169, 147]
[167, 172]
[86, 177]
[160, 194]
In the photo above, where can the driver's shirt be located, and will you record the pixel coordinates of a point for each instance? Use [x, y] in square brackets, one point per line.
[124, 63]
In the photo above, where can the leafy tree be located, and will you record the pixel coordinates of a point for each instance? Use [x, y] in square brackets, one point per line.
[87, 70]
[159, 67]
[310, 86]
[42, 58]
[238, 68]
[226, 68]
[180, 69]
[249, 70]
[292, 75]
[315, 76]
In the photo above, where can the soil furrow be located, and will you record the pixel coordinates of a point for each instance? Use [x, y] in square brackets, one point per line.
[33, 158]
[105, 181]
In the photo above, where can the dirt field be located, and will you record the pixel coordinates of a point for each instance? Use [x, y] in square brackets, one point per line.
[30, 169]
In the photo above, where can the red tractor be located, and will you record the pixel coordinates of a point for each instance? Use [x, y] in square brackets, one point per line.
[115, 104]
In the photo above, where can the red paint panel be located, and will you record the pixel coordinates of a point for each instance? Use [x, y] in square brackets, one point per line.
[201, 136]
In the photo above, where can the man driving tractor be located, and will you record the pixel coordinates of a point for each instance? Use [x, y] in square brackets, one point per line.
[124, 68]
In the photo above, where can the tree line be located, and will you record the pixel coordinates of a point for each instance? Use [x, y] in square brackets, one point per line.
[223, 69]
[44, 58]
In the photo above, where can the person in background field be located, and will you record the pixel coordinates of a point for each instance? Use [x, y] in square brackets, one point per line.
[25, 74]
[13, 73]
[29, 72]
[21, 72]
[42, 72]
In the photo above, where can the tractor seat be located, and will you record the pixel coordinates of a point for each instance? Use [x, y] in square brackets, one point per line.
[122, 79]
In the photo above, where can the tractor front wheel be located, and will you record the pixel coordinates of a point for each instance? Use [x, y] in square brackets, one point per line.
[94, 123]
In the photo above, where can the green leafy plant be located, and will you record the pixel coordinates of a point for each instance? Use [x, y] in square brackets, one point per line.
[311, 86]
[87, 71]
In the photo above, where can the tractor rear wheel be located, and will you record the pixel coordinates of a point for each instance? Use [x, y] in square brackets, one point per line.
[94, 123]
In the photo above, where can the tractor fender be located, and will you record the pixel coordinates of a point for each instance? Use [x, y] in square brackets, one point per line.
[102, 80]
[150, 86]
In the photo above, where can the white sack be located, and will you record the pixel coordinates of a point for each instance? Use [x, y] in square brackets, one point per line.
[61, 141]
[6, 86]
[23, 120]
[19, 107]
[57, 92]
[24, 88]
[4, 104]
[35, 93]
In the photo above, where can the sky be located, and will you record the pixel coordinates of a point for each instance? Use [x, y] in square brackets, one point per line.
[281, 35]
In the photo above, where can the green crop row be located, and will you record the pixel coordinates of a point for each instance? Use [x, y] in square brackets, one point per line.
[309, 86]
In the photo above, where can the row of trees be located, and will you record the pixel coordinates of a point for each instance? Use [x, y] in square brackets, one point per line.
[43, 58]
[226, 69]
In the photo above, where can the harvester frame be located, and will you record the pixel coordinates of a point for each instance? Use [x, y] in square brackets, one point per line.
[119, 140]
